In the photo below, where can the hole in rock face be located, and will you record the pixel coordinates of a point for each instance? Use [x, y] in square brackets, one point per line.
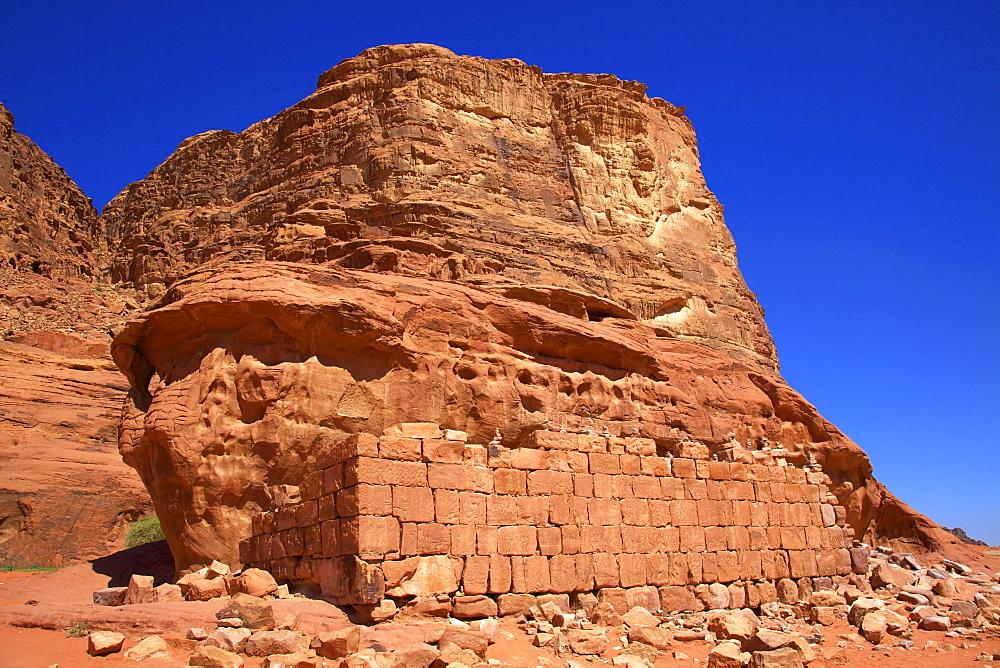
[466, 372]
[524, 377]
[251, 411]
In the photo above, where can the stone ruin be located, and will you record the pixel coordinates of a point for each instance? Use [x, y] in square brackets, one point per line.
[421, 512]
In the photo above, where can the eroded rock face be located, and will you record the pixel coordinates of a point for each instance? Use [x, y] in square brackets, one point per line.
[466, 242]
[252, 371]
[65, 493]
[574, 191]
[47, 225]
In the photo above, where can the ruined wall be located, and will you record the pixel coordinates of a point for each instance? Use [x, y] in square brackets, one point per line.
[419, 512]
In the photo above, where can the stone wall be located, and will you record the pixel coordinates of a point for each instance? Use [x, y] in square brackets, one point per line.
[421, 512]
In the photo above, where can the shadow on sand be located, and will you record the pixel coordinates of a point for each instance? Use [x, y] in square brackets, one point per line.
[150, 559]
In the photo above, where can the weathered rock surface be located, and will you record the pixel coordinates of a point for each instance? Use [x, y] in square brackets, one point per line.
[550, 188]
[47, 225]
[501, 249]
[65, 493]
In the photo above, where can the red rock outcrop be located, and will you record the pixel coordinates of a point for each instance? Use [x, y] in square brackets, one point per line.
[576, 191]
[65, 494]
[500, 249]
[47, 225]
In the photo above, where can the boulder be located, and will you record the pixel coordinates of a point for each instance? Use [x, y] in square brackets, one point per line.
[785, 657]
[151, 647]
[228, 638]
[112, 596]
[418, 655]
[254, 613]
[255, 582]
[732, 626]
[654, 636]
[167, 593]
[337, 644]
[728, 655]
[639, 616]
[210, 656]
[205, 590]
[102, 643]
[474, 607]
[473, 641]
[266, 643]
[140, 590]
[587, 643]
[885, 574]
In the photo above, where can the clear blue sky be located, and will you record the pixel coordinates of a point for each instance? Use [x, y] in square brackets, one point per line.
[854, 144]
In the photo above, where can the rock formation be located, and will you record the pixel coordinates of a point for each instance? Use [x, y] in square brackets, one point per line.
[500, 249]
[574, 191]
[65, 494]
[47, 225]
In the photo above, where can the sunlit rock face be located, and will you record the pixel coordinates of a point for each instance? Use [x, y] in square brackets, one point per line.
[439, 238]
[410, 159]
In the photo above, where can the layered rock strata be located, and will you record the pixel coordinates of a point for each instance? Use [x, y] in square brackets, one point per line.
[65, 493]
[421, 512]
[575, 191]
[48, 226]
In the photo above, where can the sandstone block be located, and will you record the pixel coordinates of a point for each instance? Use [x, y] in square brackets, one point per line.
[228, 639]
[399, 447]
[266, 643]
[443, 450]
[205, 590]
[513, 604]
[529, 459]
[654, 636]
[517, 540]
[337, 644]
[474, 607]
[209, 656]
[413, 430]
[140, 590]
[151, 647]
[102, 643]
[111, 596]
[375, 471]
[255, 613]
[785, 657]
[728, 655]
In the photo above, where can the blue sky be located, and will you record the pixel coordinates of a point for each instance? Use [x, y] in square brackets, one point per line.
[854, 144]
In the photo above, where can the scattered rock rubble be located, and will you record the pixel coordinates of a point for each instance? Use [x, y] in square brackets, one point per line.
[625, 627]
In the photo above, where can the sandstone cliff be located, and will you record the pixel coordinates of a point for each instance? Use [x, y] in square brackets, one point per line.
[574, 191]
[500, 249]
[47, 225]
[65, 494]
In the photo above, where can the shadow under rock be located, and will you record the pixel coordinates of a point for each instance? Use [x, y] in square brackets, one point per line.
[150, 559]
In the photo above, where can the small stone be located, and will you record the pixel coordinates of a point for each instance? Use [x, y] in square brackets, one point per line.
[605, 615]
[102, 643]
[542, 639]
[112, 596]
[300, 659]
[873, 628]
[152, 647]
[732, 626]
[934, 623]
[215, 657]
[290, 622]
[913, 599]
[195, 633]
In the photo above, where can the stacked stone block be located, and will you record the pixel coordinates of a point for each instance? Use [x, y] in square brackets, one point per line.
[563, 513]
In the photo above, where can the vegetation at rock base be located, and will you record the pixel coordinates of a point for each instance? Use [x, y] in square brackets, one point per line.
[146, 530]
[78, 630]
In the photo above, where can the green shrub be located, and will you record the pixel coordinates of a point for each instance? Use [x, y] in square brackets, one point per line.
[146, 530]
[78, 630]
